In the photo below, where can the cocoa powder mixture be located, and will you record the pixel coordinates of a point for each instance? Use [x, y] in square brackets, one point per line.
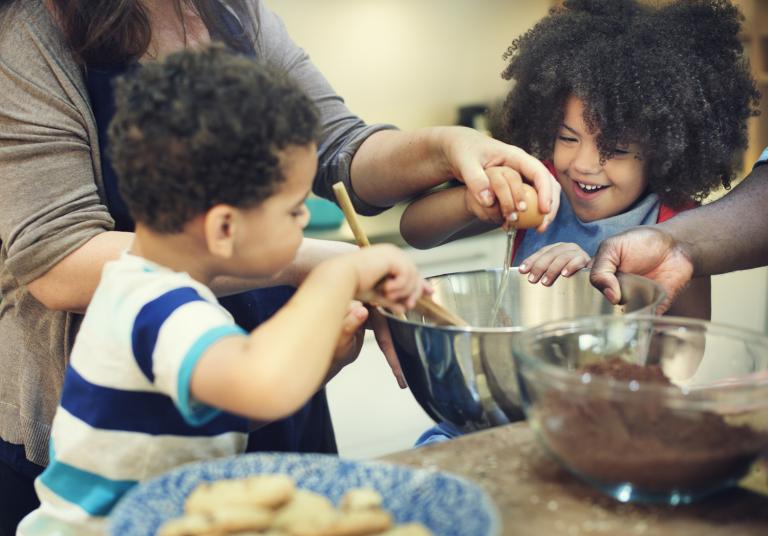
[642, 442]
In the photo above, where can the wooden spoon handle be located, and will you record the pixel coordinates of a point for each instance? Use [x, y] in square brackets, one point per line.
[424, 305]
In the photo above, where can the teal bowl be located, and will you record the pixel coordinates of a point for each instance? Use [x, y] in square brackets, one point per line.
[323, 214]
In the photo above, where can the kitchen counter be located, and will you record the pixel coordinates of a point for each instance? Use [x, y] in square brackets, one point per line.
[535, 496]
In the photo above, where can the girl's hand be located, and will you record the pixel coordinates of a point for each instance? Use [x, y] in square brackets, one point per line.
[550, 262]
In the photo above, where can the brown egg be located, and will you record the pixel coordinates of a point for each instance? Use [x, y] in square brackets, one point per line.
[530, 217]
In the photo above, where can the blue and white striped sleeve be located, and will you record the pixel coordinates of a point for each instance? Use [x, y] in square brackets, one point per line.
[169, 336]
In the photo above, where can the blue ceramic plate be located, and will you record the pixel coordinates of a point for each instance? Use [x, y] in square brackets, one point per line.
[447, 504]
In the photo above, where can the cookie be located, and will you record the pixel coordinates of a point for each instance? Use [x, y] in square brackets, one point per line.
[409, 529]
[266, 491]
[360, 499]
[188, 525]
[360, 523]
[231, 519]
[307, 514]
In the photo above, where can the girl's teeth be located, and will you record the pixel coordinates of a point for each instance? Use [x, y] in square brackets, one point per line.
[589, 187]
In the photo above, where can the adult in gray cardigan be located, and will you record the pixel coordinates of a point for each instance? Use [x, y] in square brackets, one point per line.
[61, 217]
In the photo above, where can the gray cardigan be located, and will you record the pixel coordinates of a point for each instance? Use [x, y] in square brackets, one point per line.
[52, 198]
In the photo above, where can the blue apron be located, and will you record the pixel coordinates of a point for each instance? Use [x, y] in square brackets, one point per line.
[309, 429]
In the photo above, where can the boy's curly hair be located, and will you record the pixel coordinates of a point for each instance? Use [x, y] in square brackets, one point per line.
[203, 128]
[672, 79]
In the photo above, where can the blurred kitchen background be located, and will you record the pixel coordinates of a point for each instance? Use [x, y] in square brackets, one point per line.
[416, 63]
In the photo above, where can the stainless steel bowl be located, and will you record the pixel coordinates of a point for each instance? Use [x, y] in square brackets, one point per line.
[466, 376]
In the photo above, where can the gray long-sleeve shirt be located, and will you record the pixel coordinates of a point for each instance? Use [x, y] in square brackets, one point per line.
[52, 199]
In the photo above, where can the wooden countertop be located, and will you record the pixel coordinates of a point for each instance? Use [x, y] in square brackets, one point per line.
[535, 496]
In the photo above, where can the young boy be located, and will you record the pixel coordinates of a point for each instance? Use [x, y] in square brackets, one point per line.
[216, 156]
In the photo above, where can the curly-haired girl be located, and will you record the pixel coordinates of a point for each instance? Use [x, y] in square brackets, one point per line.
[639, 111]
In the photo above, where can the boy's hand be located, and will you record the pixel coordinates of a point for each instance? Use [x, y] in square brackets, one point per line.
[389, 272]
[511, 199]
[550, 262]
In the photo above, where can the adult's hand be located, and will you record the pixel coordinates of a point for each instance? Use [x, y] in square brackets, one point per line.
[393, 166]
[350, 340]
[647, 251]
[470, 154]
[378, 324]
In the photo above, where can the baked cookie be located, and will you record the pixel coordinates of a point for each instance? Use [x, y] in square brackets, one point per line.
[360, 499]
[409, 529]
[229, 519]
[188, 525]
[307, 514]
[265, 491]
[360, 523]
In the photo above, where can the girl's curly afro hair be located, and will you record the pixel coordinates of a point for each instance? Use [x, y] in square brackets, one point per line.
[672, 79]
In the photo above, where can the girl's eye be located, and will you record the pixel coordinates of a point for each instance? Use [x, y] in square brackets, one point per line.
[567, 139]
[620, 152]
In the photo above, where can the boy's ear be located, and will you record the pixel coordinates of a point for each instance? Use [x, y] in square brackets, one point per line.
[220, 228]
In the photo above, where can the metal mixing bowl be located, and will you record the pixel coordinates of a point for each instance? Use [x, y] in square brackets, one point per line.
[466, 375]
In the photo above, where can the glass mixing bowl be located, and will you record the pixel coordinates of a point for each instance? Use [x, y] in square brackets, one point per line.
[645, 408]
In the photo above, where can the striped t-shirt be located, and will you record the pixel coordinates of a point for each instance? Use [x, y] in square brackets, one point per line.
[126, 413]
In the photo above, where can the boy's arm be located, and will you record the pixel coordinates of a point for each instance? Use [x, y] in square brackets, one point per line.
[440, 217]
[273, 371]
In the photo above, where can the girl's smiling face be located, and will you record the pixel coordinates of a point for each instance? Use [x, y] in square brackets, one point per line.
[595, 190]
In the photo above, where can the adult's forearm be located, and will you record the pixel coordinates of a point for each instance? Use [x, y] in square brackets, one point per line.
[729, 234]
[311, 253]
[391, 165]
[70, 284]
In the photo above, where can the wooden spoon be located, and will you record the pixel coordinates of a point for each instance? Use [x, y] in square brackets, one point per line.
[424, 305]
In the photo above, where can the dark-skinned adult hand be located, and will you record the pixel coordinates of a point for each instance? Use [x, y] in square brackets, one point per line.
[647, 251]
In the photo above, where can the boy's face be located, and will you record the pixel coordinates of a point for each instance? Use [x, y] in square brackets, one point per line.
[272, 232]
[595, 190]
